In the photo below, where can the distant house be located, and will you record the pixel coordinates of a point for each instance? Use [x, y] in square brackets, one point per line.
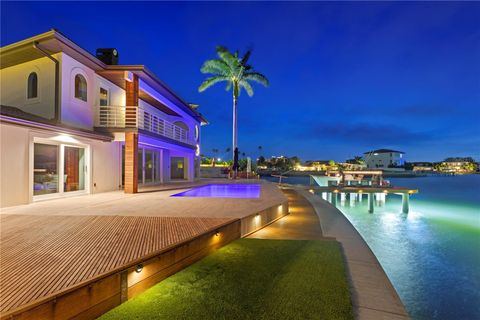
[421, 166]
[384, 158]
[457, 165]
[313, 165]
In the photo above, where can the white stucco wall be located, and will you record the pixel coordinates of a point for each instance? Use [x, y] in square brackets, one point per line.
[16, 162]
[13, 83]
[78, 113]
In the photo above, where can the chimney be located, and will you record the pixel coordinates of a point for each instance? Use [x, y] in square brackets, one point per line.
[108, 55]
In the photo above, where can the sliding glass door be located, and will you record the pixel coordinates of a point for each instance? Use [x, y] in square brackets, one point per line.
[58, 169]
[45, 169]
[148, 166]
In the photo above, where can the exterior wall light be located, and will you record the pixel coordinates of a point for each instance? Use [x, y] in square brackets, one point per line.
[217, 233]
[139, 268]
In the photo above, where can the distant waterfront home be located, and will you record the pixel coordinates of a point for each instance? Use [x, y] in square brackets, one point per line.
[421, 166]
[384, 159]
[73, 123]
[457, 165]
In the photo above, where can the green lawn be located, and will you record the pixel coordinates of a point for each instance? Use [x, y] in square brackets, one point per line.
[251, 279]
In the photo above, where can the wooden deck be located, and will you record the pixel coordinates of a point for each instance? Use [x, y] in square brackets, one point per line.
[361, 189]
[43, 256]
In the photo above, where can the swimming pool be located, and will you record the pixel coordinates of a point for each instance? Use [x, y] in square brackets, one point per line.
[223, 191]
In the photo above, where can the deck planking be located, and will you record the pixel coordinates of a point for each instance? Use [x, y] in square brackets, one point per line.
[43, 255]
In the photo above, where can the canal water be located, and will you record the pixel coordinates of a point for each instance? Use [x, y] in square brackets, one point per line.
[431, 254]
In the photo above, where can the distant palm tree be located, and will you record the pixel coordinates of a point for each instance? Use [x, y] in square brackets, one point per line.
[236, 71]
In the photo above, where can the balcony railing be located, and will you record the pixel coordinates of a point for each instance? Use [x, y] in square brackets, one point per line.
[138, 117]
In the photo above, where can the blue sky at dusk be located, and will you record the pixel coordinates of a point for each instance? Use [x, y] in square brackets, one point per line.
[345, 77]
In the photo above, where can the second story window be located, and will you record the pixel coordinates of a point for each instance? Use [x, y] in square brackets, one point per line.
[104, 101]
[32, 86]
[80, 87]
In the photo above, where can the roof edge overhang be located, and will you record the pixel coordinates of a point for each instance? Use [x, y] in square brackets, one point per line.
[51, 127]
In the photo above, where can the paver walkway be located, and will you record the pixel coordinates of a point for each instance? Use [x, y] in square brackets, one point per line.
[373, 295]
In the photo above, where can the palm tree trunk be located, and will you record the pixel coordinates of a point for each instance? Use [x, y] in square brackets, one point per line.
[234, 135]
[234, 142]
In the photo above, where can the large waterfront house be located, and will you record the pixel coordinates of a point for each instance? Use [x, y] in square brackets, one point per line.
[384, 159]
[73, 123]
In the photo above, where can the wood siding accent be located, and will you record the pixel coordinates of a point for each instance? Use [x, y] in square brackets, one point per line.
[131, 162]
[131, 91]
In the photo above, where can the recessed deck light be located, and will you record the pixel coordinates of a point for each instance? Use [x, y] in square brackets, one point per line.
[139, 268]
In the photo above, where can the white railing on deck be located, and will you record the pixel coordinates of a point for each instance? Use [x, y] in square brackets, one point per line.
[137, 117]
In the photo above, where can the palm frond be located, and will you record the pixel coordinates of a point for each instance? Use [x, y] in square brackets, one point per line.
[245, 57]
[244, 84]
[229, 85]
[230, 59]
[257, 77]
[210, 82]
[215, 66]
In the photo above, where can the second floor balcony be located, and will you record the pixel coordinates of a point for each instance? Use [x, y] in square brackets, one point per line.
[125, 117]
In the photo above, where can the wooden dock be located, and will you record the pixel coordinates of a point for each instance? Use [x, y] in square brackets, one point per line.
[372, 192]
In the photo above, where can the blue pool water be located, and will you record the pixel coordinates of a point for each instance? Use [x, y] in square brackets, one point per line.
[223, 191]
[431, 254]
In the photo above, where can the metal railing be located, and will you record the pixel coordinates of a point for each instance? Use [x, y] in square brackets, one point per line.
[138, 117]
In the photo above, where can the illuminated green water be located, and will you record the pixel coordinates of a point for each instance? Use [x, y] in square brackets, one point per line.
[432, 254]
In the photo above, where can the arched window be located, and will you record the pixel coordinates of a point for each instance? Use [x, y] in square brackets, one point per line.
[32, 86]
[80, 87]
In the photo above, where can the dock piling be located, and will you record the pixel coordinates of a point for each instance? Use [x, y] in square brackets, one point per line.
[405, 202]
[370, 202]
[334, 198]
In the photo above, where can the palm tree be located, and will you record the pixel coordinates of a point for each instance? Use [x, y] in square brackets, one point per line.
[260, 148]
[237, 73]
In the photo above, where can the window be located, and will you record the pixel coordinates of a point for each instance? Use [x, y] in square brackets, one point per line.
[80, 87]
[197, 133]
[32, 86]
[104, 97]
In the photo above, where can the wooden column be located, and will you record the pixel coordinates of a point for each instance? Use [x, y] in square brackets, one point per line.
[131, 138]
[131, 101]
[131, 162]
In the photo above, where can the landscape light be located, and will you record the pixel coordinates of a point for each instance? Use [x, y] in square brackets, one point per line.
[139, 268]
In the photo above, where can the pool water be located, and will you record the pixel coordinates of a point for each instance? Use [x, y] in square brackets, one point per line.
[223, 191]
[431, 254]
